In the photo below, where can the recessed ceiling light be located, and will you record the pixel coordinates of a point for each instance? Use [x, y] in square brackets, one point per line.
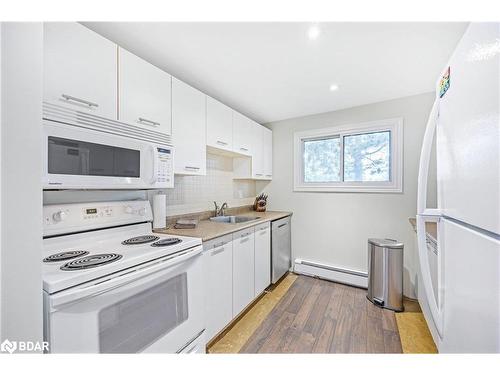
[334, 87]
[313, 32]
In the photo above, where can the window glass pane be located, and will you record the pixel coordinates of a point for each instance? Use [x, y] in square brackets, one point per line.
[367, 157]
[322, 160]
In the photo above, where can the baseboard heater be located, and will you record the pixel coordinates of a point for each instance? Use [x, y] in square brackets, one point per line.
[337, 274]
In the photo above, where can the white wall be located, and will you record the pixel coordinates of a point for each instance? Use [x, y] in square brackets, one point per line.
[333, 228]
[21, 190]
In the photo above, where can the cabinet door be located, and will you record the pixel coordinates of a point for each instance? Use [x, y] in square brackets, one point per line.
[188, 129]
[242, 134]
[218, 264]
[144, 93]
[257, 150]
[79, 69]
[243, 269]
[219, 125]
[262, 257]
[268, 153]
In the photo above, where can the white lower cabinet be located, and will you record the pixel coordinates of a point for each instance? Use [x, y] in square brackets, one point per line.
[243, 269]
[237, 269]
[218, 266]
[262, 257]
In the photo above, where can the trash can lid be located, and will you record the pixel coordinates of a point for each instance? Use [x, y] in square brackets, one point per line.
[386, 242]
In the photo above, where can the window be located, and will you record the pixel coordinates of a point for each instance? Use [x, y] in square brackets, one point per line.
[365, 157]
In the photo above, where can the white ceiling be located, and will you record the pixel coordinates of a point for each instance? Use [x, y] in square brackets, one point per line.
[272, 71]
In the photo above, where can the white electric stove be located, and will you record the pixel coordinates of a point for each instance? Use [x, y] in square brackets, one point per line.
[111, 285]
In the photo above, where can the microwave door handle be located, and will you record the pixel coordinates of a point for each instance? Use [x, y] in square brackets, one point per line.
[154, 155]
[76, 294]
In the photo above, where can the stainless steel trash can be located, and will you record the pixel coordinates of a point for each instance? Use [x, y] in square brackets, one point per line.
[385, 273]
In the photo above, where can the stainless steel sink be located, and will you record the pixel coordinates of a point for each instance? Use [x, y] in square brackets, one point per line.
[233, 219]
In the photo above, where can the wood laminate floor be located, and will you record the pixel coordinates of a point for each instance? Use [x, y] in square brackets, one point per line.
[318, 316]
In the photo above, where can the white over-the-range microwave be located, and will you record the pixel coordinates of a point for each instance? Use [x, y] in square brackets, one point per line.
[82, 151]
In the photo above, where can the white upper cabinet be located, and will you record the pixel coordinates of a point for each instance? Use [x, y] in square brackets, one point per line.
[79, 69]
[188, 129]
[257, 150]
[219, 125]
[242, 134]
[268, 153]
[144, 94]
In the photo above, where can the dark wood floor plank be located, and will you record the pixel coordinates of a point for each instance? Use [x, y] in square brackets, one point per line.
[342, 338]
[358, 342]
[333, 307]
[308, 305]
[272, 342]
[318, 316]
[389, 321]
[325, 336]
[392, 342]
[375, 335]
[265, 329]
[302, 287]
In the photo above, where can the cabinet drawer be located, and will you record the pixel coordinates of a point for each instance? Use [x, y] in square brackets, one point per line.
[263, 226]
[244, 233]
[217, 242]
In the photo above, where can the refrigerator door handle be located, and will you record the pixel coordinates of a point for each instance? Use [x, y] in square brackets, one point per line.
[425, 157]
[423, 212]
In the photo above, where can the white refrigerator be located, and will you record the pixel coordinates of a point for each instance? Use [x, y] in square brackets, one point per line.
[460, 295]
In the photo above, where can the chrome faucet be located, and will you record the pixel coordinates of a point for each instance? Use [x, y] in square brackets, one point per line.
[223, 209]
[220, 211]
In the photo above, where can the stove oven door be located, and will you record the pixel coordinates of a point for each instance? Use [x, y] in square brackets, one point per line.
[157, 307]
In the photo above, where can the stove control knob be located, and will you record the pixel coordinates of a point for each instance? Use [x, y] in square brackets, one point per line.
[142, 211]
[129, 210]
[59, 216]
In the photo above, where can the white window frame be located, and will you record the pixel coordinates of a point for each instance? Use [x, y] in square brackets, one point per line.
[395, 185]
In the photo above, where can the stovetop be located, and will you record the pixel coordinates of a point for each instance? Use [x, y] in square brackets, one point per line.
[70, 260]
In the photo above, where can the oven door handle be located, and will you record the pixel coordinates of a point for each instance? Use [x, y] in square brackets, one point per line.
[128, 276]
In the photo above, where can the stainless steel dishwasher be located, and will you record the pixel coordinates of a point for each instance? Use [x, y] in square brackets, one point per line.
[281, 247]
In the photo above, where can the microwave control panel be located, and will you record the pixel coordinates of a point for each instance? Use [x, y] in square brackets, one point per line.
[165, 167]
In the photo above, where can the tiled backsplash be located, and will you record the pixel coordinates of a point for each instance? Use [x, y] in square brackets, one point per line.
[197, 193]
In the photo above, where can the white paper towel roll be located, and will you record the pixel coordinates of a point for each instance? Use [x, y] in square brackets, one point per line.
[159, 211]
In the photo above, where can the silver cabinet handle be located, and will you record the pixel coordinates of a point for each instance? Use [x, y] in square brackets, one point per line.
[282, 225]
[245, 239]
[263, 231]
[259, 174]
[189, 167]
[269, 175]
[145, 121]
[69, 98]
[222, 143]
[243, 149]
[245, 234]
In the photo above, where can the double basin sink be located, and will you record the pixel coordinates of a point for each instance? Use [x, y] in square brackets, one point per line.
[233, 219]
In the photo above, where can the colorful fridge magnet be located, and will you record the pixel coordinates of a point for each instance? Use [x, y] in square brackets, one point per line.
[444, 84]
